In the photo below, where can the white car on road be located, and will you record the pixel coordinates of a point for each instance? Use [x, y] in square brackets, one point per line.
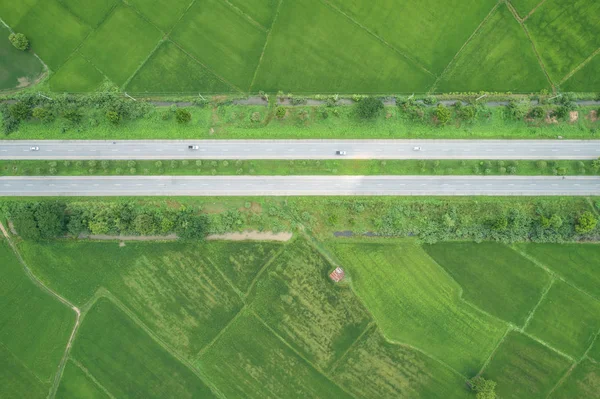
[34, 148]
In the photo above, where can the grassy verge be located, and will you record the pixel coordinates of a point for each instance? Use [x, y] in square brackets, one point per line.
[296, 167]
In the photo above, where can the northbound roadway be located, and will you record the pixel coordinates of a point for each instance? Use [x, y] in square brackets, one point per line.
[299, 185]
[300, 149]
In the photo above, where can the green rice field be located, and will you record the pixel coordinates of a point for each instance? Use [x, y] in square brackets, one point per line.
[263, 320]
[312, 46]
[17, 68]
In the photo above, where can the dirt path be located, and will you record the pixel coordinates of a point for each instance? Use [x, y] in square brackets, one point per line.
[252, 235]
[65, 301]
[169, 237]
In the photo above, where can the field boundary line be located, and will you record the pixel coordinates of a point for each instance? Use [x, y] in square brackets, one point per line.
[142, 16]
[533, 10]
[262, 270]
[515, 14]
[370, 326]
[580, 66]
[262, 53]
[317, 369]
[25, 366]
[585, 354]
[202, 351]
[91, 377]
[544, 294]
[104, 293]
[490, 357]
[222, 79]
[562, 379]
[64, 301]
[144, 62]
[547, 345]
[416, 63]
[461, 49]
[227, 280]
[248, 17]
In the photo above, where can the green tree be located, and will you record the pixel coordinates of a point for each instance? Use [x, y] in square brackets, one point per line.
[145, 224]
[500, 224]
[280, 112]
[586, 222]
[443, 114]
[369, 107]
[20, 111]
[50, 218]
[537, 113]
[556, 222]
[113, 117]
[484, 389]
[183, 116]
[19, 40]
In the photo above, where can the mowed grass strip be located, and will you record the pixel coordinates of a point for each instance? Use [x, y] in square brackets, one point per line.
[566, 319]
[524, 368]
[499, 58]
[127, 362]
[415, 302]
[577, 263]
[17, 68]
[297, 299]
[524, 7]
[583, 382]
[76, 75]
[493, 277]
[566, 33]
[16, 380]
[53, 31]
[261, 11]
[170, 70]
[221, 39]
[249, 361]
[327, 53]
[162, 13]
[121, 44]
[75, 384]
[91, 12]
[376, 368]
[426, 30]
[34, 326]
[241, 262]
[172, 287]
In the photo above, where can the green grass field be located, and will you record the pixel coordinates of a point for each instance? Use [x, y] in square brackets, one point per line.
[493, 277]
[17, 68]
[583, 382]
[524, 368]
[125, 361]
[317, 46]
[594, 352]
[76, 75]
[77, 383]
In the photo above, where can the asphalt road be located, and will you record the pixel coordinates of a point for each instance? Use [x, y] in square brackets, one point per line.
[302, 149]
[298, 185]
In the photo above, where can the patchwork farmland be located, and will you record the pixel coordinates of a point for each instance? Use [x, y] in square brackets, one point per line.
[311, 46]
[263, 320]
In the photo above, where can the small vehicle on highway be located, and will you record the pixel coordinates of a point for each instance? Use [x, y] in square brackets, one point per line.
[193, 147]
[340, 152]
[417, 148]
[34, 148]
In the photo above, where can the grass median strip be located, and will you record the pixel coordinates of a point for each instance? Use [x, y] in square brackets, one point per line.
[296, 167]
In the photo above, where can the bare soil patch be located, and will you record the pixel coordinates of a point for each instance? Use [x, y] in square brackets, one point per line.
[573, 116]
[252, 235]
[170, 237]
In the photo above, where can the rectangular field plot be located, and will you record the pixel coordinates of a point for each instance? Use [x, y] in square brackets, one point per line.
[16, 380]
[376, 368]
[76, 75]
[248, 361]
[34, 328]
[566, 32]
[429, 30]
[498, 58]
[296, 298]
[52, 31]
[524, 368]
[162, 13]
[75, 384]
[402, 286]
[327, 53]
[91, 12]
[121, 44]
[126, 362]
[493, 277]
[566, 319]
[170, 70]
[577, 263]
[583, 382]
[172, 287]
[18, 67]
[262, 11]
[221, 39]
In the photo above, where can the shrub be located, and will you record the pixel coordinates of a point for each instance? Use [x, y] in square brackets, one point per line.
[113, 117]
[430, 100]
[255, 117]
[131, 163]
[586, 222]
[542, 164]
[465, 113]
[183, 116]
[280, 112]
[20, 111]
[43, 114]
[560, 112]
[442, 114]
[369, 107]
[19, 40]
[537, 113]
[516, 110]
[73, 115]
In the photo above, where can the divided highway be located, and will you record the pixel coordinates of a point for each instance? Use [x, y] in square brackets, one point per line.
[299, 185]
[300, 149]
